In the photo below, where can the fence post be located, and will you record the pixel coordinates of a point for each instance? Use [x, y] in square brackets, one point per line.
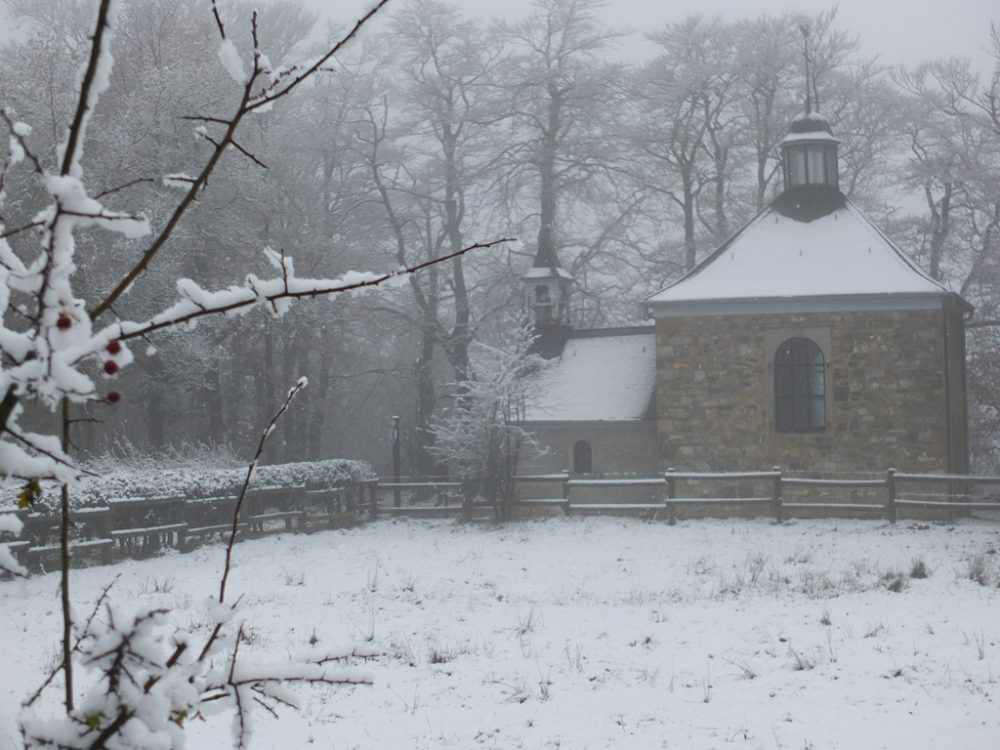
[372, 498]
[671, 495]
[565, 492]
[397, 500]
[776, 495]
[890, 483]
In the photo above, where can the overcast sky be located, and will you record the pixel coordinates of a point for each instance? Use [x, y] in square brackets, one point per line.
[927, 28]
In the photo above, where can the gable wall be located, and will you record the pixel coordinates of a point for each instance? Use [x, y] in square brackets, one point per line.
[886, 393]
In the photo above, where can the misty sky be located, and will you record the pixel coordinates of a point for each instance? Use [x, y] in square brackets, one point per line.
[924, 30]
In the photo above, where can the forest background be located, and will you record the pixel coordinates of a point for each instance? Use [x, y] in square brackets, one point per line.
[443, 129]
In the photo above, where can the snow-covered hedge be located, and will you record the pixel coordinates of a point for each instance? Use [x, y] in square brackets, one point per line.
[201, 481]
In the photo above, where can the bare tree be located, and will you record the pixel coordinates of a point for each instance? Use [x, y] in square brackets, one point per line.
[56, 344]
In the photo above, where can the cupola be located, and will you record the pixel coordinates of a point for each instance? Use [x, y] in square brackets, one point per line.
[809, 153]
[547, 290]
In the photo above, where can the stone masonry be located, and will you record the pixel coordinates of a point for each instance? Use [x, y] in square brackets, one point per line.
[886, 393]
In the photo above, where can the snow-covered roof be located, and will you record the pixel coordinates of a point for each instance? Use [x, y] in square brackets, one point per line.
[813, 136]
[604, 376]
[547, 273]
[776, 256]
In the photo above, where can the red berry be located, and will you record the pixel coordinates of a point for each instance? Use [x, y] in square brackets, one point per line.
[114, 347]
[113, 397]
[64, 323]
[110, 367]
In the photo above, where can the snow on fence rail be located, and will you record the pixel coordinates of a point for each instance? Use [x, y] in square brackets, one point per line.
[673, 493]
[138, 527]
[775, 500]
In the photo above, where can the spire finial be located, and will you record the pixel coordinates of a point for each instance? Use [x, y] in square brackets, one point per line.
[804, 28]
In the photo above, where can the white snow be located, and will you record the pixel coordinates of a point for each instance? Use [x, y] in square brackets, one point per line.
[777, 257]
[547, 273]
[597, 378]
[231, 61]
[814, 136]
[178, 180]
[588, 633]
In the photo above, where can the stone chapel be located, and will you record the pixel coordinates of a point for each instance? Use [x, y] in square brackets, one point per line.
[807, 340]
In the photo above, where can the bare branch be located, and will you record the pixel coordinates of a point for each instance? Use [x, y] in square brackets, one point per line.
[83, 103]
[126, 331]
[76, 646]
[247, 154]
[127, 185]
[218, 19]
[292, 393]
[261, 101]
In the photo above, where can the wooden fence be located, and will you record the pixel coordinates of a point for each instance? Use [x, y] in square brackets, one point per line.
[772, 493]
[139, 527]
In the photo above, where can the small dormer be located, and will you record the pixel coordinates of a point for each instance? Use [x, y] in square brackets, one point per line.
[809, 153]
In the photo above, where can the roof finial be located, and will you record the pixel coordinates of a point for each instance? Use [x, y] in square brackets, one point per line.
[804, 28]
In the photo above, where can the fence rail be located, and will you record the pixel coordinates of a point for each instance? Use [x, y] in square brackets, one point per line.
[136, 527]
[782, 496]
[139, 527]
[770, 491]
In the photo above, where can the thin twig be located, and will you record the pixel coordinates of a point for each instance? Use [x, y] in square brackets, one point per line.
[148, 328]
[227, 567]
[292, 393]
[25, 228]
[218, 19]
[261, 101]
[76, 646]
[248, 104]
[137, 181]
[83, 103]
[247, 154]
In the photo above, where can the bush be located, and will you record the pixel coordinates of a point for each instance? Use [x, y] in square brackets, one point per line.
[204, 481]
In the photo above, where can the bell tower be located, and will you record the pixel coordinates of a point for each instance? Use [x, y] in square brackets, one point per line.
[547, 289]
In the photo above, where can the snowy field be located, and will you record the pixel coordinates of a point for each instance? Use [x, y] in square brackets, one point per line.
[594, 633]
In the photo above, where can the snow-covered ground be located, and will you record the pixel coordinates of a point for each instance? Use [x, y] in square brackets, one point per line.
[594, 633]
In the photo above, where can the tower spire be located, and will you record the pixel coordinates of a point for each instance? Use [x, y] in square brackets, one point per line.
[809, 151]
[804, 28]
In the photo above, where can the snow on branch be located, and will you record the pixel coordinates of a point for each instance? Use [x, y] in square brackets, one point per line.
[275, 294]
[56, 355]
[147, 676]
[150, 677]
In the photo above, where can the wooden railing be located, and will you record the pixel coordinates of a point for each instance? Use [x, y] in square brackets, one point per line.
[139, 527]
[772, 492]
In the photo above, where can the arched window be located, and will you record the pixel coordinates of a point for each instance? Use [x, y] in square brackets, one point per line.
[582, 463]
[799, 387]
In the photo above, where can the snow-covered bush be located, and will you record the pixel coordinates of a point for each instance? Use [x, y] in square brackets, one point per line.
[200, 481]
[481, 436]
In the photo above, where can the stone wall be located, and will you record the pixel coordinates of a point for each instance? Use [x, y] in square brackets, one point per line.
[616, 447]
[886, 384]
